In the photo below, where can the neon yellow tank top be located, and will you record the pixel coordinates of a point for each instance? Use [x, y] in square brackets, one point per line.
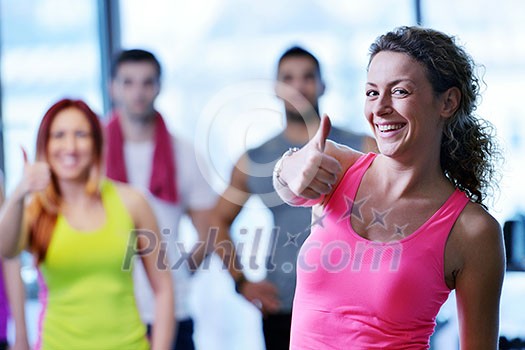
[87, 298]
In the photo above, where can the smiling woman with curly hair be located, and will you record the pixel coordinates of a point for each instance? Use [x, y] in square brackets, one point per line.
[404, 227]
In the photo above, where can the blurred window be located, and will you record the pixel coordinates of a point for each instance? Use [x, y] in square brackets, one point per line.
[492, 32]
[50, 50]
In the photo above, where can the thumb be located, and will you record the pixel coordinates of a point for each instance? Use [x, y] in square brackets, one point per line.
[24, 153]
[322, 133]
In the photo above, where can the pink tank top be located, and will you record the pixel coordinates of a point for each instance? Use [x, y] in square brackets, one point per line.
[353, 293]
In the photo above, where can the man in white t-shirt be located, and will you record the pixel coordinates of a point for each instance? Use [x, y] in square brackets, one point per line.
[142, 152]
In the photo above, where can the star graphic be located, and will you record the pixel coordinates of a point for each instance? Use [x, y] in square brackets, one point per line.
[292, 239]
[379, 218]
[400, 230]
[353, 208]
[318, 220]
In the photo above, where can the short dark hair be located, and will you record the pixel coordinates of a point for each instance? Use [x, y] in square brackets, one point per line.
[297, 51]
[134, 55]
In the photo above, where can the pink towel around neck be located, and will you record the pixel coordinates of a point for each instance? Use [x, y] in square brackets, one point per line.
[162, 182]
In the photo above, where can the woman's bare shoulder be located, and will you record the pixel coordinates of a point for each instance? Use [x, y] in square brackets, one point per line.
[475, 222]
[477, 233]
[133, 199]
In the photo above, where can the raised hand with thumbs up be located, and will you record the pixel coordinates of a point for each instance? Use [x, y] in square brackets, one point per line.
[305, 176]
[36, 177]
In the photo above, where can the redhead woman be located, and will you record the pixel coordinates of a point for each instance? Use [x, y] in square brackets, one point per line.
[396, 231]
[79, 227]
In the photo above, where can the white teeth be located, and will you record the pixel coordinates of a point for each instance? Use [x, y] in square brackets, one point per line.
[389, 127]
[69, 160]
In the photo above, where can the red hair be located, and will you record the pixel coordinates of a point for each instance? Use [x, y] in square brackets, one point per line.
[43, 207]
